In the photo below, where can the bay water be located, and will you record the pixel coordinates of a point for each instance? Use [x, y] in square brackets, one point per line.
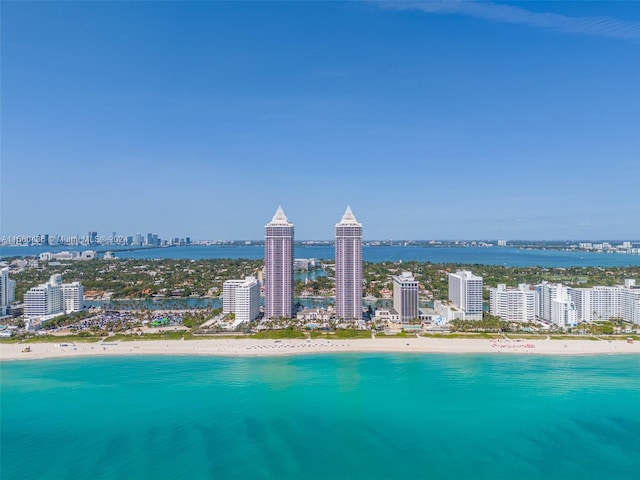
[369, 416]
[506, 256]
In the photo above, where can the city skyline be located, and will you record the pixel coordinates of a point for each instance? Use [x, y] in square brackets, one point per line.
[456, 120]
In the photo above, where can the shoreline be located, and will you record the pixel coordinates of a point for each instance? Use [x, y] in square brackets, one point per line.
[262, 348]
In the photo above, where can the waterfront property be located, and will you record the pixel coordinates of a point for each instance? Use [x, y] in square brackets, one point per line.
[405, 296]
[7, 291]
[513, 304]
[53, 298]
[278, 247]
[465, 292]
[241, 298]
[348, 267]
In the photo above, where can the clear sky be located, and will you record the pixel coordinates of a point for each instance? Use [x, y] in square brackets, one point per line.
[459, 120]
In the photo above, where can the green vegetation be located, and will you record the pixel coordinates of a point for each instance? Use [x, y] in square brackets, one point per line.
[64, 320]
[129, 279]
[341, 334]
[488, 323]
[62, 339]
[462, 335]
[321, 286]
[140, 278]
[280, 334]
[193, 320]
[172, 335]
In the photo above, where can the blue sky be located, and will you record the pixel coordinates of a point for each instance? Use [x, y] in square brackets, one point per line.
[462, 120]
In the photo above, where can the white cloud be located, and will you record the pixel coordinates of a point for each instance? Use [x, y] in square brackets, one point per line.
[600, 26]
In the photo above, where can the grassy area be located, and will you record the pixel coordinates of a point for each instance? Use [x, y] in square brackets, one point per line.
[215, 336]
[462, 335]
[348, 333]
[62, 339]
[527, 336]
[574, 337]
[150, 336]
[396, 335]
[351, 333]
[11, 340]
[279, 334]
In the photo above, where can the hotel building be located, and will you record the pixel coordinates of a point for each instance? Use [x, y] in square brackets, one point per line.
[72, 296]
[242, 298]
[278, 246]
[349, 267]
[465, 292]
[405, 296]
[554, 304]
[53, 298]
[606, 302]
[513, 304]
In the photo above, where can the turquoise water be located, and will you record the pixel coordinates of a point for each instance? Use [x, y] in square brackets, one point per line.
[319, 417]
[511, 257]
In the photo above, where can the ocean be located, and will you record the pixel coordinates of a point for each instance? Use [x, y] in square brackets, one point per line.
[343, 416]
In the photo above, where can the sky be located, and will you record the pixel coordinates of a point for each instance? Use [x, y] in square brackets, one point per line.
[432, 120]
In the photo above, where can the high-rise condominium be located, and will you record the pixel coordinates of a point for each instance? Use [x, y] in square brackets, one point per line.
[349, 267]
[465, 292]
[7, 291]
[278, 252]
[405, 296]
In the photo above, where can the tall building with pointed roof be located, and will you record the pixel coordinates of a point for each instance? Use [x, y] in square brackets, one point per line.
[349, 267]
[278, 259]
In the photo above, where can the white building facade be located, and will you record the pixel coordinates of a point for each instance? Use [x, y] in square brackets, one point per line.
[229, 295]
[608, 302]
[513, 304]
[349, 267]
[554, 304]
[53, 298]
[465, 292]
[72, 296]
[247, 300]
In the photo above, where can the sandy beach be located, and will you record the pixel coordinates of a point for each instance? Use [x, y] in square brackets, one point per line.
[254, 347]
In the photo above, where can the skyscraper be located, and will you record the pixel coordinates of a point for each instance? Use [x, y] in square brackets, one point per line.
[405, 296]
[278, 261]
[7, 291]
[242, 298]
[349, 267]
[465, 292]
[513, 304]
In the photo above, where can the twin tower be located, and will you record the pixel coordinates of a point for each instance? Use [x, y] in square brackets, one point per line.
[278, 249]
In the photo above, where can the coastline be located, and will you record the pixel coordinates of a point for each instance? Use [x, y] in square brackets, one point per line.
[258, 347]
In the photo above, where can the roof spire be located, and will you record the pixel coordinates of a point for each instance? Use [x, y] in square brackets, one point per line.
[349, 218]
[279, 218]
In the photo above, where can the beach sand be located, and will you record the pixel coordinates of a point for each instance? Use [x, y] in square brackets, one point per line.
[254, 347]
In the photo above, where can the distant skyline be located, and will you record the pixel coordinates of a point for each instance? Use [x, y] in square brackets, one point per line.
[433, 120]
